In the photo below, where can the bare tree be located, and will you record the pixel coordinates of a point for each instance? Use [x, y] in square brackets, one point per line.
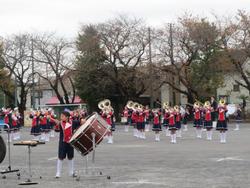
[235, 34]
[54, 60]
[17, 60]
[125, 42]
[185, 51]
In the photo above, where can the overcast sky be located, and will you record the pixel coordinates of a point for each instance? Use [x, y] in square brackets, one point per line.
[65, 16]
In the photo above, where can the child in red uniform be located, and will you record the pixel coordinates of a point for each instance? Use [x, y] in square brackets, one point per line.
[125, 115]
[172, 125]
[65, 149]
[208, 120]
[157, 124]
[147, 118]
[222, 122]
[134, 123]
[197, 120]
[107, 115]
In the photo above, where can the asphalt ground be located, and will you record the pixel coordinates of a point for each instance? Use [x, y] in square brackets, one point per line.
[134, 163]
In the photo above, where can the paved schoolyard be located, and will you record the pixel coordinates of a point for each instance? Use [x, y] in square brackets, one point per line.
[133, 163]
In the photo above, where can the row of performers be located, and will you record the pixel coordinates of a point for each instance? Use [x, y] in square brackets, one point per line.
[43, 124]
[135, 115]
[13, 122]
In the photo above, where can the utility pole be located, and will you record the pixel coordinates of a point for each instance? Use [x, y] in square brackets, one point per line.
[172, 59]
[150, 68]
[171, 43]
[33, 76]
[15, 91]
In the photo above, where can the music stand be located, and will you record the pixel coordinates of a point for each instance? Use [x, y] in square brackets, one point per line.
[29, 144]
[9, 169]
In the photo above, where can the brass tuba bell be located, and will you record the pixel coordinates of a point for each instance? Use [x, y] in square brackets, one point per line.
[207, 104]
[165, 105]
[104, 104]
[130, 104]
[176, 108]
[222, 102]
[196, 104]
[135, 106]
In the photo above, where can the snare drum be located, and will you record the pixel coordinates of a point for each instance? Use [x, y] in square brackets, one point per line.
[82, 139]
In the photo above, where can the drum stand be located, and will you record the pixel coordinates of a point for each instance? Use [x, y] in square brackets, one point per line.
[94, 173]
[29, 181]
[9, 169]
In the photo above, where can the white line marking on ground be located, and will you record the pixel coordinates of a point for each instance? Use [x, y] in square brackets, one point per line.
[229, 159]
[52, 158]
[140, 182]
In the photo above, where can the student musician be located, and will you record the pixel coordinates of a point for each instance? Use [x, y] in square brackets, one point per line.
[208, 119]
[156, 124]
[172, 125]
[197, 119]
[238, 118]
[222, 122]
[66, 130]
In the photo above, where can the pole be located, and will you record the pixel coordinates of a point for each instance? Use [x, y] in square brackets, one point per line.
[33, 78]
[39, 92]
[15, 91]
[150, 68]
[172, 58]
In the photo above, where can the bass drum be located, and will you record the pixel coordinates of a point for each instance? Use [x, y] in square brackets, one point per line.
[2, 149]
[81, 140]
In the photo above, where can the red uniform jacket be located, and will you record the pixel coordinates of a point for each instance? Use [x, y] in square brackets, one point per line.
[125, 113]
[208, 114]
[156, 118]
[171, 119]
[197, 114]
[67, 131]
[178, 117]
[222, 111]
[134, 117]
[141, 117]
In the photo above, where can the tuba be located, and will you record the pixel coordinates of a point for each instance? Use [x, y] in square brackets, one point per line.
[140, 107]
[155, 110]
[165, 105]
[104, 104]
[207, 104]
[130, 104]
[222, 102]
[135, 106]
[176, 108]
[101, 105]
[196, 104]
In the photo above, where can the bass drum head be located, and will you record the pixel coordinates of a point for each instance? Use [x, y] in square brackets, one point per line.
[2, 149]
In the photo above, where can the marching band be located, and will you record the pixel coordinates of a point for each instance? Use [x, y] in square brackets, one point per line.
[207, 116]
[172, 118]
[44, 123]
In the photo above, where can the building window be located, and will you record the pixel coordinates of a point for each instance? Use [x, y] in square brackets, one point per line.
[236, 87]
[38, 94]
